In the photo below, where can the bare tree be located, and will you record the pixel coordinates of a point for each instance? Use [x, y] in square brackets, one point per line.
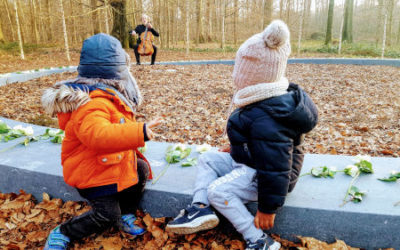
[187, 26]
[267, 12]
[106, 16]
[384, 36]
[199, 22]
[33, 20]
[120, 29]
[389, 11]
[18, 30]
[9, 19]
[348, 21]
[235, 20]
[95, 17]
[49, 22]
[223, 24]
[1, 34]
[64, 30]
[328, 36]
[301, 24]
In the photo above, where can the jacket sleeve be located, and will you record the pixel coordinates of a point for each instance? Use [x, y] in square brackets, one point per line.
[272, 158]
[155, 33]
[96, 131]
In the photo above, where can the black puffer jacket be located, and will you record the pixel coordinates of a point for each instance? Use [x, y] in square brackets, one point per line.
[267, 136]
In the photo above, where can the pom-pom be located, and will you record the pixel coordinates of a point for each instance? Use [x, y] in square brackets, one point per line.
[276, 34]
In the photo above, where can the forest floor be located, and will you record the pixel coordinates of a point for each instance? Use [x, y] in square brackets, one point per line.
[358, 108]
[25, 224]
[358, 105]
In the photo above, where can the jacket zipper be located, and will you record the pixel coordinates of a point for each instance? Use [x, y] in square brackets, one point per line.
[246, 149]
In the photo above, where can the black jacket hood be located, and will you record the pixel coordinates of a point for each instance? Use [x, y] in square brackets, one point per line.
[295, 109]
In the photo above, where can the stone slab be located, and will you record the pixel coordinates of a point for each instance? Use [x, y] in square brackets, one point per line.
[312, 209]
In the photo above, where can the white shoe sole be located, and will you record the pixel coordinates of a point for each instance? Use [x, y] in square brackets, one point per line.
[199, 224]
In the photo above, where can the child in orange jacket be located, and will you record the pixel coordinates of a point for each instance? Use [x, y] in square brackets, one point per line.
[99, 151]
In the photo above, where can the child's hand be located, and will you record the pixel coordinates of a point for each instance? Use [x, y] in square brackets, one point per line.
[226, 149]
[153, 123]
[264, 221]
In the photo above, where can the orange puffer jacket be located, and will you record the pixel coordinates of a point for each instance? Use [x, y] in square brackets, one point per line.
[101, 138]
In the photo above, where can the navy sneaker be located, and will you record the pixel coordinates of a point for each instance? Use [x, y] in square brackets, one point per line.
[193, 219]
[264, 243]
[56, 240]
[129, 227]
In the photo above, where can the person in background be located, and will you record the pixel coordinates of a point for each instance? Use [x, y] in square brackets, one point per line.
[138, 31]
[99, 153]
[265, 155]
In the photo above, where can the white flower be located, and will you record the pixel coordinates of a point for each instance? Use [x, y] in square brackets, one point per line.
[351, 170]
[180, 147]
[203, 148]
[360, 158]
[18, 127]
[394, 172]
[333, 168]
[53, 132]
[28, 130]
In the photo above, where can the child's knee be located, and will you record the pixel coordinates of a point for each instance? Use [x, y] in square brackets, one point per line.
[217, 192]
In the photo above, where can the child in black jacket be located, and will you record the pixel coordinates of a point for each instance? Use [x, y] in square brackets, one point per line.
[265, 135]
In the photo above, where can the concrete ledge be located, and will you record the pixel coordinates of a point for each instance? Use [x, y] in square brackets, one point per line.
[24, 76]
[32, 74]
[313, 209]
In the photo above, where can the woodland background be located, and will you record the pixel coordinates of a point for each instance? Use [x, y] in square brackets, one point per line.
[352, 27]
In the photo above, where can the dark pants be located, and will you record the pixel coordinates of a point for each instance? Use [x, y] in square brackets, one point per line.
[107, 210]
[137, 55]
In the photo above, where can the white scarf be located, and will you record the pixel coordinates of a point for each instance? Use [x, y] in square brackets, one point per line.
[261, 91]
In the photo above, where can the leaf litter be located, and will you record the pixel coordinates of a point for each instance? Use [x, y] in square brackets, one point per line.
[359, 108]
[25, 224]
[358, 115]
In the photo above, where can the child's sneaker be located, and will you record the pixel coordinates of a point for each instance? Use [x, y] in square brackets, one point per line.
[192, 220]
[56, 240]
[129, 227]
[264, 243]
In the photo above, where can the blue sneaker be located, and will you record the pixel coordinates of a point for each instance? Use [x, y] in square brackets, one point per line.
[193, 219]
[129, 227]
[56, 240]
[264, 243]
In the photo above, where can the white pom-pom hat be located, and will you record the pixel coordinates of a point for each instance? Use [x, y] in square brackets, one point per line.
[262, 58]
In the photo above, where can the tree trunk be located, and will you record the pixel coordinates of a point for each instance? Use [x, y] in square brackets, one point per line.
[341, 34]
[120, 30]
[1, 33]
[328, 36]
[288, 8]
[9, 19]
[267, 12]
[384, 36]
[49, 26]
[390, 8]
[42, 29]
[235, 20]
[199, 26]
[33, 21]
[280, 9]
[223, 24]
[95, 17]
[348, 22]
[187, 27]
[168, 24]
[398, 34]
[106, 16]
[73, 24]
[301, 24]
[64, 26]
[18, 30]
[380, 22]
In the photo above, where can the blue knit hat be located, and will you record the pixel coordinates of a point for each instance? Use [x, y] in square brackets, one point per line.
[102, 56]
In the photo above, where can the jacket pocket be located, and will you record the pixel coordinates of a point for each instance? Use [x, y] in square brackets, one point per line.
[110, 159]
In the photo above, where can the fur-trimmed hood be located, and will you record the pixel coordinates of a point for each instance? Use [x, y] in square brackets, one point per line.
[63, 99]
[67, 96]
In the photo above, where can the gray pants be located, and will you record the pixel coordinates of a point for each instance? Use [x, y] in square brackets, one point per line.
[227, 186]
